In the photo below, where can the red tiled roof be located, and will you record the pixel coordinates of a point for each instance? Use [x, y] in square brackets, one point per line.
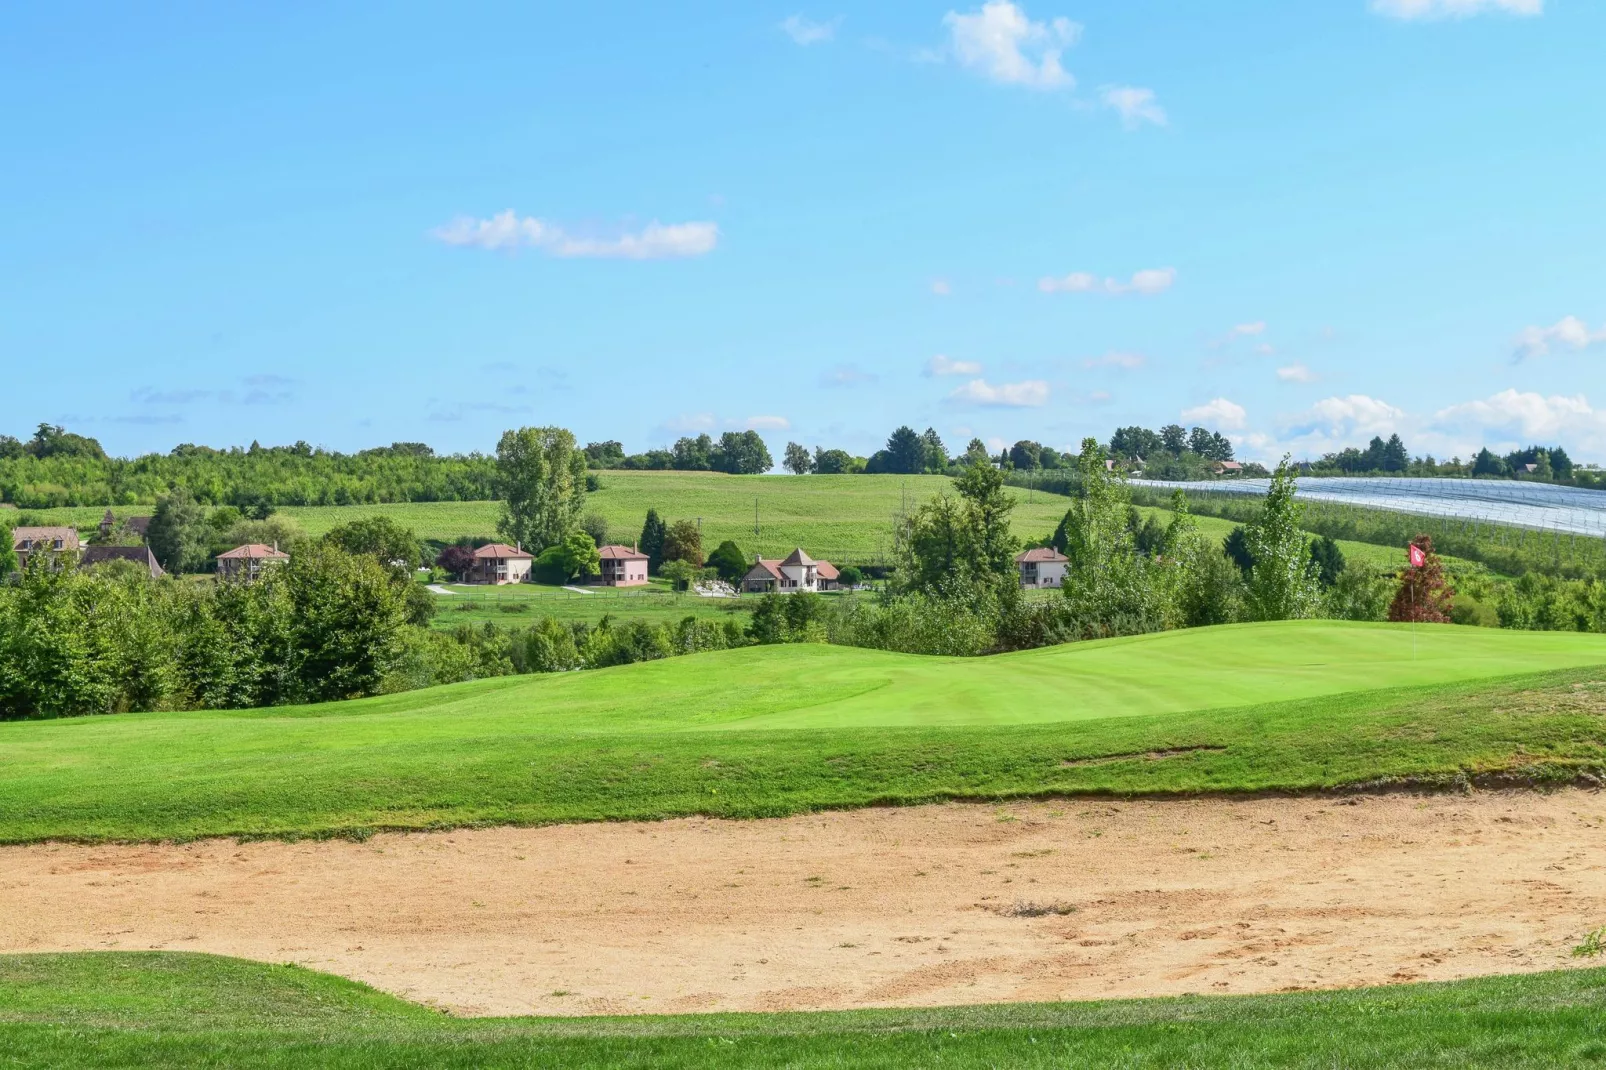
[825, 570]
[762, 568]
[254, 549]
[798, 557]
[1039, 554]
[620, 553]
[499, 550]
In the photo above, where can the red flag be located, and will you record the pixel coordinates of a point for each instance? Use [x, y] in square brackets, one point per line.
[1418, 558]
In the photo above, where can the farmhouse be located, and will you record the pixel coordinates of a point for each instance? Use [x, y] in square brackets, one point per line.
[499, 563]
[137, 525]
[248, 562]
[27, 540]
[798, 572]
[1042, 566]
[140, 555]
[1229, 468]
[622, 566]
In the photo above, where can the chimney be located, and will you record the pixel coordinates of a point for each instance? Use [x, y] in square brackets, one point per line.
[519, 546]
[275, 545]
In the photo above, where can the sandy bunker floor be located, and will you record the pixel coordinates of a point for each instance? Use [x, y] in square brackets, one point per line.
[931, 905]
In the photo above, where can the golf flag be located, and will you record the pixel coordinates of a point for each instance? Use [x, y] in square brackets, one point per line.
[1418, 558]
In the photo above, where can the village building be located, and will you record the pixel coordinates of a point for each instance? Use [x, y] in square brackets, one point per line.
[499, 563]
[797, 572]
[136, 525]
[1229, 468]
[1042, 566]
[139, 555]
[248, 562]
[622, 566]
[53, 540]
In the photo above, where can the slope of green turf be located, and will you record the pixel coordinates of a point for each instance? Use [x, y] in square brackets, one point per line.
[784, 729]
[164, 1009]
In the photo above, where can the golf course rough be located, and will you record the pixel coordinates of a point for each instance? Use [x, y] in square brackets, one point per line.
[779, 729]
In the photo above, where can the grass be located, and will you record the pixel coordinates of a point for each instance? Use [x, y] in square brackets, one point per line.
[167, 1009]
[515, 604]
[776, 730]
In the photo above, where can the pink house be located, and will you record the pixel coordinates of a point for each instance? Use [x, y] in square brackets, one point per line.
[622, 567]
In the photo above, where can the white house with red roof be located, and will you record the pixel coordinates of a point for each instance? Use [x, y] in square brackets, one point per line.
[248, 562]
[498, 563]
[622, 566]
[1042, 566]
[796, 572]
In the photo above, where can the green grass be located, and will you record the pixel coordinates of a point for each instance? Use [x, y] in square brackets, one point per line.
[515, 604]
[167, 1009]
[775, 730]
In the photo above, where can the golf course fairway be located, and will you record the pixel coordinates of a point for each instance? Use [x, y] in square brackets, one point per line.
[778, 729]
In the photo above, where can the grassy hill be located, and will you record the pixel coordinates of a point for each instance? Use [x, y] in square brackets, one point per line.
[773, 730]
[170, 1009]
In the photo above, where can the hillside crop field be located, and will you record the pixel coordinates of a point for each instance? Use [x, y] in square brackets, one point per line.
[169, 1009]
[771, 730]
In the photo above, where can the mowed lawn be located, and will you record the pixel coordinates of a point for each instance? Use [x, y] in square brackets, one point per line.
[161, 1009]
[775, 730]
[516, 604]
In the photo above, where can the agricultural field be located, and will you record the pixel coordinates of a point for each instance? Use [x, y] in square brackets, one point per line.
[513, 604]
[165, 1009]
[783, 729]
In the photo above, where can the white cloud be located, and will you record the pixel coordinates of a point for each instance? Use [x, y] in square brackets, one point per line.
[1349, 416]
[941, 288]
[697, 421]
[941, 365]
[805, 32]
[1569, 331]
[766, 423]
[1258, 327]
[1528, 416]
[1219, 413]
[1149, 281]
[1116, 360]
[508, 230]
[1136, 106]
[1454, 9]
[1265, 349]
[999, 41]
[1296, 373]
[1023, 395]
[844, 375]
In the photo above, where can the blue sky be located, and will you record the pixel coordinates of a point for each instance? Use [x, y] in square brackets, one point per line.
[1300, 223]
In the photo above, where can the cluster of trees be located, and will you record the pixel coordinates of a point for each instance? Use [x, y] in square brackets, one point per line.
[57, 468]
[740, 453]
[1549, 464]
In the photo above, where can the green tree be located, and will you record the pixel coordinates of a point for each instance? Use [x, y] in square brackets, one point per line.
[991, 543]
[610, 454]
[8, 552]
[1207, 587]
[1026, 456]
[596, 526]
[1395, 458]
[905, 452]
[346, 621]
[651, 542]
[680, 574]
[832, 462]
[684, 542]
[693, 454]
[542, 481]
[1487, 464]
[936, 453]
[580, 557]
[729, 561]
[381, 538]
[178, 533]
[1327, 560]
[975, 453]
[1109, 588]
[798, 461]
[1281, 586]
[741, 453]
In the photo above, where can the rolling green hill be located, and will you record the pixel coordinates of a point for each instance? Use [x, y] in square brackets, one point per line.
[162, 1009]
[770, 730]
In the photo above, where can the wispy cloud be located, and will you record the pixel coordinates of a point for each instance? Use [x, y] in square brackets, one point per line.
[999, 42]
[941, 365]
[1133, 104]
[806, 32]
[1251, 329]
[252, 390]
[1412, 10]
[1569, 332]
[507, 230]
[941, 288]
[847, 375]
[454, 412]
[1129, 361]
[1296, 373]
[766, 423]
[1149, 281]
[1218, 413]
[1028, 394]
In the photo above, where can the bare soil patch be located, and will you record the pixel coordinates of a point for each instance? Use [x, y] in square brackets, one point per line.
[891, 907]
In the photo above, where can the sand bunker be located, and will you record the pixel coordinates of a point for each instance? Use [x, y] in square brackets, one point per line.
[933, 905]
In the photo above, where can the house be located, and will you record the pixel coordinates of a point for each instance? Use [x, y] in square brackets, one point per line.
[137, 525]
[248, 562]
[140, 555]
[1229, 468]
[797, 572]
[1042, 566]
[27, 540]
[622, 566]
[500, 563]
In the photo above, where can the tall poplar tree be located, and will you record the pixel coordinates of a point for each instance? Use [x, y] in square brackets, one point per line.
[542, 479]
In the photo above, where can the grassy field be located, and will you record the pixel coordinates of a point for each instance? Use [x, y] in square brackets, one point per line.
[774, 730]
[516, 604]
[136, 1009]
